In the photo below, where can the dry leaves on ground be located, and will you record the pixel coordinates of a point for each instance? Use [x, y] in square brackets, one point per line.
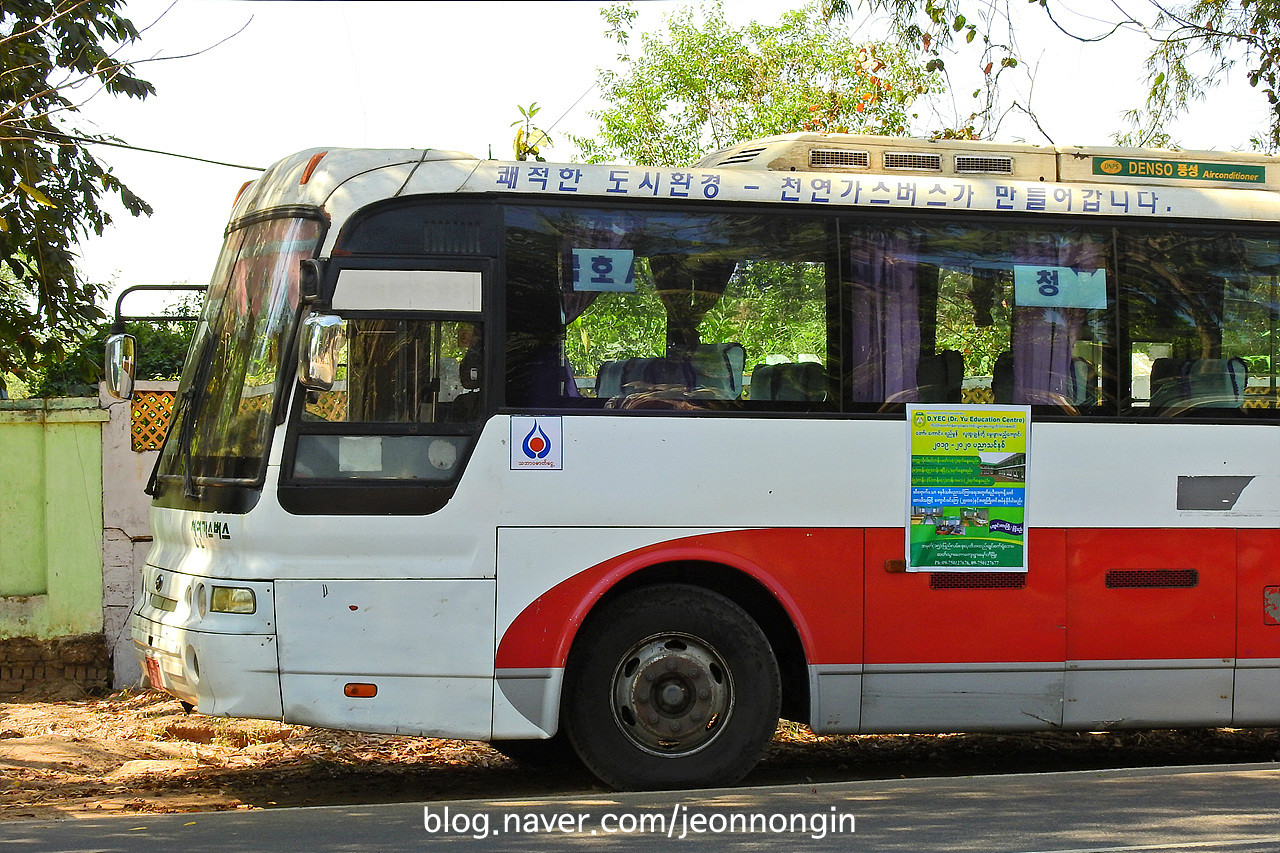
[138, 752]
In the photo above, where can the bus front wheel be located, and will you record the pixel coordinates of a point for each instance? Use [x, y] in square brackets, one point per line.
[671, 686]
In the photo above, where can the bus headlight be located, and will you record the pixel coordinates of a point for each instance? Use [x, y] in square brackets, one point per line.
[232, 599]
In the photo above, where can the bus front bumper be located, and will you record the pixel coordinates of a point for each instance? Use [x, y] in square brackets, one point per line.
[231, 675]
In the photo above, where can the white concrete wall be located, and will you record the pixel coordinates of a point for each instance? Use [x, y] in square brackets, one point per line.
[126, 535]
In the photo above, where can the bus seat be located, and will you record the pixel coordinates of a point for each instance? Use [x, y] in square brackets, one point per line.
[570, 380]
[939, 377]
[1169, 387]
[642, 374]
[1164, 369]
[762, 381]
[1216, 382]
[804, 382]
[1082, 383]
[718, 368]
[609, 380]
[1002, 378]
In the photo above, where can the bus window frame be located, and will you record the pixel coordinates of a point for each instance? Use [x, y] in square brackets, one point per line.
[391, 496]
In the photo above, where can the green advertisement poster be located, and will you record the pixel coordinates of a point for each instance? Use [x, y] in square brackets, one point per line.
[967, 488]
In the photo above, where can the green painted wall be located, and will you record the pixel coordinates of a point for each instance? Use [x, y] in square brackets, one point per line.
[50, 517]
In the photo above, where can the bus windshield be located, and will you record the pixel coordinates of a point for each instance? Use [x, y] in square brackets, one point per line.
[231, 377]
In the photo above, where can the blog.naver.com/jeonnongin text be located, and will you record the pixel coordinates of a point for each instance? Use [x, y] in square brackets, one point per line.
[677, 822]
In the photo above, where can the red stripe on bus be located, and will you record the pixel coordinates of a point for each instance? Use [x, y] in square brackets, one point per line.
[800, 567]
[1065, 611]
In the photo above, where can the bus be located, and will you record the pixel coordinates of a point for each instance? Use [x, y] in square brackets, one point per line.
[615, 461]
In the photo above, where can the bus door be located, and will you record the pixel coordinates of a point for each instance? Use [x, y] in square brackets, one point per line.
[386, 615]
[963, 651]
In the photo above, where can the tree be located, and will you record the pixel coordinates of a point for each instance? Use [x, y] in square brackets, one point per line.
[162, 349]
[529, 138]
[704, 84]
[54, 56]
[1194, 46]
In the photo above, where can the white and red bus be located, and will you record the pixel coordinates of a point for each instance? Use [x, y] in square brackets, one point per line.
[616, 457]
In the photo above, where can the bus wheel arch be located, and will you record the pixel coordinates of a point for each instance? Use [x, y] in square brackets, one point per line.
[749, 593]
[670, 685]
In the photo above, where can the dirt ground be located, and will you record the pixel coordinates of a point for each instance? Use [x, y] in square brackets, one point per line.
[137, 752]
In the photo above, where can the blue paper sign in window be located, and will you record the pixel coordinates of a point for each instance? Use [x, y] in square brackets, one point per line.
[604, 270]
[1059, 287]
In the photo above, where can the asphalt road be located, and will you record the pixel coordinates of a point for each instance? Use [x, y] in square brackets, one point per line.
[1215, 809]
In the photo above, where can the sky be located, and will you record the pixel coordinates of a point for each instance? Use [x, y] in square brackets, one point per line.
[293, 75]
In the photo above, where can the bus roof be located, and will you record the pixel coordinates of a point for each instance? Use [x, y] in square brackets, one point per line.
[850, 153]
[815, 169]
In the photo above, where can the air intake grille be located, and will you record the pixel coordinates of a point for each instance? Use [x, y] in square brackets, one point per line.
[452, 237]
[746, 155]
[988, 165]
[828, 157]
[1152, 579]
[913, 162]
[977, 580]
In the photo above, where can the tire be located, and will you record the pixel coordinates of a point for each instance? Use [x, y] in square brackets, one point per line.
[671, 686]
[555, 752]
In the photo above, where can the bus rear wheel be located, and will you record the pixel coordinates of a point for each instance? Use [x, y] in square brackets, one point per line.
[671, 686]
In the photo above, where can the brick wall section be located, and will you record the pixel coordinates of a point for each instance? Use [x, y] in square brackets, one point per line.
[63, 666]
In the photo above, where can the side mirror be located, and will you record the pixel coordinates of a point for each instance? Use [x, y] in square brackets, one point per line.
[119, 365]
[319, 348]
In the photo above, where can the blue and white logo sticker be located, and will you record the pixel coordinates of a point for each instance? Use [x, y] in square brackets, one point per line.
[536, 443]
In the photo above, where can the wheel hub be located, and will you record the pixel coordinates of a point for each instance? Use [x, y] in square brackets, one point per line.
[672, 694]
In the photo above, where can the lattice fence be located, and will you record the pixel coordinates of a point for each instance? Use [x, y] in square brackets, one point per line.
[149, 419]
[1259, 397]
[329, 406]
[977, 395]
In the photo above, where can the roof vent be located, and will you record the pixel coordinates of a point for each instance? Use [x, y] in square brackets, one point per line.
[746, 155]
[912, 161]
[827, 157]
[976, 163]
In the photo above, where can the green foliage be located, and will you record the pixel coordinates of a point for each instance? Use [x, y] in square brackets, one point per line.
[1195, 46]
[957, 329]
[162, 348]
[529, 139]
[51, 187]
[770, 307]
[704, 84]
[619, 325]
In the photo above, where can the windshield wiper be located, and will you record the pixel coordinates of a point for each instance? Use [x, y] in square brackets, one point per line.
[188, 411]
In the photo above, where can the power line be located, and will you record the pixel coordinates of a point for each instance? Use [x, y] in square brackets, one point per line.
[88, 140]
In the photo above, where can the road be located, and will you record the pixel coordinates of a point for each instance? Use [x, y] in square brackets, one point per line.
[1215, 809]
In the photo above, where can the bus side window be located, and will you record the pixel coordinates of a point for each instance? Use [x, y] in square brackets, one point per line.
[1202, 314]
[952, 314]
[629, 309]
[410, 393]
